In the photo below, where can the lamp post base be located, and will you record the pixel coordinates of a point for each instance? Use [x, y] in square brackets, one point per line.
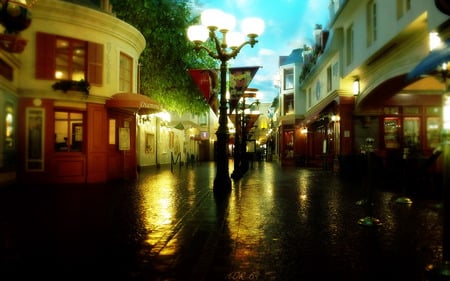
[222, 185]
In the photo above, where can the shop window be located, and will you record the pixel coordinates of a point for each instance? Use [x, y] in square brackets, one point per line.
[433, 131]
[64, 58]
[125, 73]
[289, 144]
[68, 131]
[391, 132]
[411, 131]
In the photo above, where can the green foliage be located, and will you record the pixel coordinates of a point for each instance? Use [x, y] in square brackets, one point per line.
[168, 54]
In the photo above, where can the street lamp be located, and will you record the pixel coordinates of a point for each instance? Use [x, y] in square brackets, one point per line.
[242, 119]
[227, 45]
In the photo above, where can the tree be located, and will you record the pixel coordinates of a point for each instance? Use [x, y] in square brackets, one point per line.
[168, 54]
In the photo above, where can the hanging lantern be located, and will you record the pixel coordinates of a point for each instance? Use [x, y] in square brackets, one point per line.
[15, 16]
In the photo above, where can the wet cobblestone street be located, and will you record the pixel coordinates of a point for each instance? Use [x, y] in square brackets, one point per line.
[277, 224]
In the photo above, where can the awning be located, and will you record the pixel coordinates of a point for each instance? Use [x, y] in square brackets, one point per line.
[133, 102]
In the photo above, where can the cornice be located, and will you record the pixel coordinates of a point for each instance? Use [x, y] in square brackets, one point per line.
[54, 12]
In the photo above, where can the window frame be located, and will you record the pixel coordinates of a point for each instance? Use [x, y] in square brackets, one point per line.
[72, 124]
[125, 74]
[45, 58]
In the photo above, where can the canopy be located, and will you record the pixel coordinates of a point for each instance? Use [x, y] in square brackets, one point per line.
[136, 103]
[431, 62]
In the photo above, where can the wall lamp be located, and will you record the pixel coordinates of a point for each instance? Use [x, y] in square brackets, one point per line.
[356, 87]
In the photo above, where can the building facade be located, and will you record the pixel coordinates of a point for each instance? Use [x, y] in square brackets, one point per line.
[70, 97]
[353, 89]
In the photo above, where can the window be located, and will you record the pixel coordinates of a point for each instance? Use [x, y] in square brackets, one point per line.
[68, 59]
[9, 126]
[371, 22]
[35, 128]
[329, 79]
[68, 131]
[391, 134]
[402, 6]
[288, 105]
[112, 131]
[399, 9]
[309, 97]
[411, 131]
[350, 46]
[288, 79]
[125, 73]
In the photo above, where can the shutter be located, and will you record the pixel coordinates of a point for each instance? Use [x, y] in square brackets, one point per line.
[95, 63]
[45, 56]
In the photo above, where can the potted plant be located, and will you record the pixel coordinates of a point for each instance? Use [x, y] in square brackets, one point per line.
[70, 85]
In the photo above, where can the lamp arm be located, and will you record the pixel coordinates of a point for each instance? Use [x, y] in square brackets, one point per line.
[218, 45]
[210, 53]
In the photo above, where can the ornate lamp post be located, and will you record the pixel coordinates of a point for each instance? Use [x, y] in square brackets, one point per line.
[244, 120]
[227, 45]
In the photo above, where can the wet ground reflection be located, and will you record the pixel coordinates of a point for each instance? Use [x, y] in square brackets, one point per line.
[276, 224]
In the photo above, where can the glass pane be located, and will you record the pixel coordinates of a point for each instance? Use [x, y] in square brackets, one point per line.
[61, 135]
[78, 60]
[62, 59]
[433, 131]
[77, 136]
[391, 110]
[391, 132]
[112, 131]
[411, 110]
[289, 79]
[434, 110]
[61, 115]
[76, 116]
[411, 131]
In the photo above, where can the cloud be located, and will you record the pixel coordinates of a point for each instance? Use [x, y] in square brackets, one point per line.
[266, 52]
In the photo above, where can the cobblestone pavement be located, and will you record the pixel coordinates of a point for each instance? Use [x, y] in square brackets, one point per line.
[276, 224]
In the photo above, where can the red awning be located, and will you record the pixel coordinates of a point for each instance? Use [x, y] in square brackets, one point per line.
[136, 103]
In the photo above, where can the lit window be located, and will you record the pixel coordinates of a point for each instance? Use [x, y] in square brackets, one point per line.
[70, 59]
[68, 131]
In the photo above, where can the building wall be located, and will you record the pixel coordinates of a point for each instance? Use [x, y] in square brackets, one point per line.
[379, 63]
[36, 101]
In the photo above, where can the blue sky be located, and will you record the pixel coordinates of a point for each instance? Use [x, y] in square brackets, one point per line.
[289, 24]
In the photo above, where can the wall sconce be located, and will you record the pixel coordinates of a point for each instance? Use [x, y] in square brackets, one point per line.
[355, 89]
[335, 118]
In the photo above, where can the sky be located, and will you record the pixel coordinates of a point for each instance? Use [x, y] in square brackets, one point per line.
[289, 25]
